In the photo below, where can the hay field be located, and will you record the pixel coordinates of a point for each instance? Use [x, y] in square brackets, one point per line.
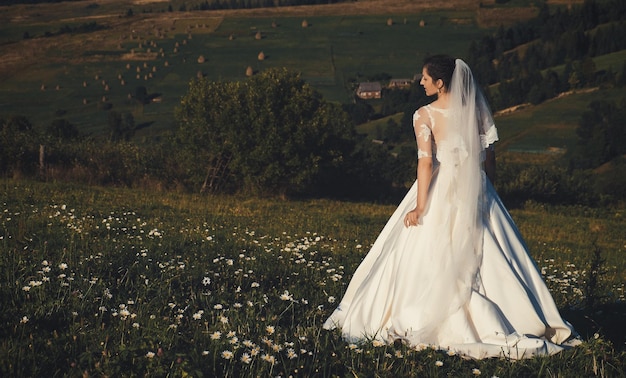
[79, 73]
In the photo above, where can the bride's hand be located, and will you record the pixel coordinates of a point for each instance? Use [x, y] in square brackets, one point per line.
[412, 217]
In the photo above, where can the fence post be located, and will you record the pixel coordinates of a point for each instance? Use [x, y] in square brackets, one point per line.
[42, 160]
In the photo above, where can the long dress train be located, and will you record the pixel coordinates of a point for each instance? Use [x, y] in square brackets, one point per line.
[511, 314]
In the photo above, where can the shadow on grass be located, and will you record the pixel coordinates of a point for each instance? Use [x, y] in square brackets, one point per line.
[606, 320]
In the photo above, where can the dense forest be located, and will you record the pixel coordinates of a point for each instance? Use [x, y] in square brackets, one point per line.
[296, 143]
[523, 57]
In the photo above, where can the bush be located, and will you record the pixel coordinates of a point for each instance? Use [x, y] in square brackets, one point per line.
[270, 134]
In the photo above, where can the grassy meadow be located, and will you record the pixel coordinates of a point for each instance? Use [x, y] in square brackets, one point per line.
[121, 282]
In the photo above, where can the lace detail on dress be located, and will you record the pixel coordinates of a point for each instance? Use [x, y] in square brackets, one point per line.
[423, 135]
[490, 137]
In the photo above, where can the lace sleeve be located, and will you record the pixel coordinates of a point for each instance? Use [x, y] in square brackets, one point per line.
[487, 128]
[422, 134]
[489, 137]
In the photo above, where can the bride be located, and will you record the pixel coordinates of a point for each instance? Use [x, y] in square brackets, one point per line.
[450, 269]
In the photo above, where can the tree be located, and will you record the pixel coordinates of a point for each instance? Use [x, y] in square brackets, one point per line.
[601, 132]
[122, 126]
[19, 145]
[62, 129]
[272, 133]
[141, 94]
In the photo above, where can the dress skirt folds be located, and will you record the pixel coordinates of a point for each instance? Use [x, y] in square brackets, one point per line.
[402, 289]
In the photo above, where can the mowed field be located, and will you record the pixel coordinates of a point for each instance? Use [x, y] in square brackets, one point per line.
[71, 75]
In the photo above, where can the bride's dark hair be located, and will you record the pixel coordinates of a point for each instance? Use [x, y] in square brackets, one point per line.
[440, 67]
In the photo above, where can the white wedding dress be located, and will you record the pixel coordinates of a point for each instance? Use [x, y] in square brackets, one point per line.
[412, 287]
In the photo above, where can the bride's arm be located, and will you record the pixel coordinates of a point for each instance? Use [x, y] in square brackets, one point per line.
[424, 175]
[423, 137]
[490, 164]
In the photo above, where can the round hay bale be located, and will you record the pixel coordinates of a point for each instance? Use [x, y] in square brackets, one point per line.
[389, 21]
[422, 23]
[249, 71]
[258, 35]
[201, 59]
[305, 24]
[261, 56]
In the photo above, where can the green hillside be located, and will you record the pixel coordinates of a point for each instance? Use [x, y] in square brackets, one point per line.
[74, 74]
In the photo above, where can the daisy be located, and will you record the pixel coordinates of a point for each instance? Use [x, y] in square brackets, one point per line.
[286, 296]
[245, 358]
[291, 354]
[216, 335]
[269, 358]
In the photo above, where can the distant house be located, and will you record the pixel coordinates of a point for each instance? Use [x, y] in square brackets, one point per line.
[400, 83]
[369, 90]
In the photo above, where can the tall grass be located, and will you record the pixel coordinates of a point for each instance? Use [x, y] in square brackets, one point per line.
[119, 282]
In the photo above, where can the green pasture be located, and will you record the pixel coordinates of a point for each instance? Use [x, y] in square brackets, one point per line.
[331, 53]
[550, 124]
[120, 282]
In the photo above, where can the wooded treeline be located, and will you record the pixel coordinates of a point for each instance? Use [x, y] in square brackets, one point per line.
[274, 134]
[550, 54]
